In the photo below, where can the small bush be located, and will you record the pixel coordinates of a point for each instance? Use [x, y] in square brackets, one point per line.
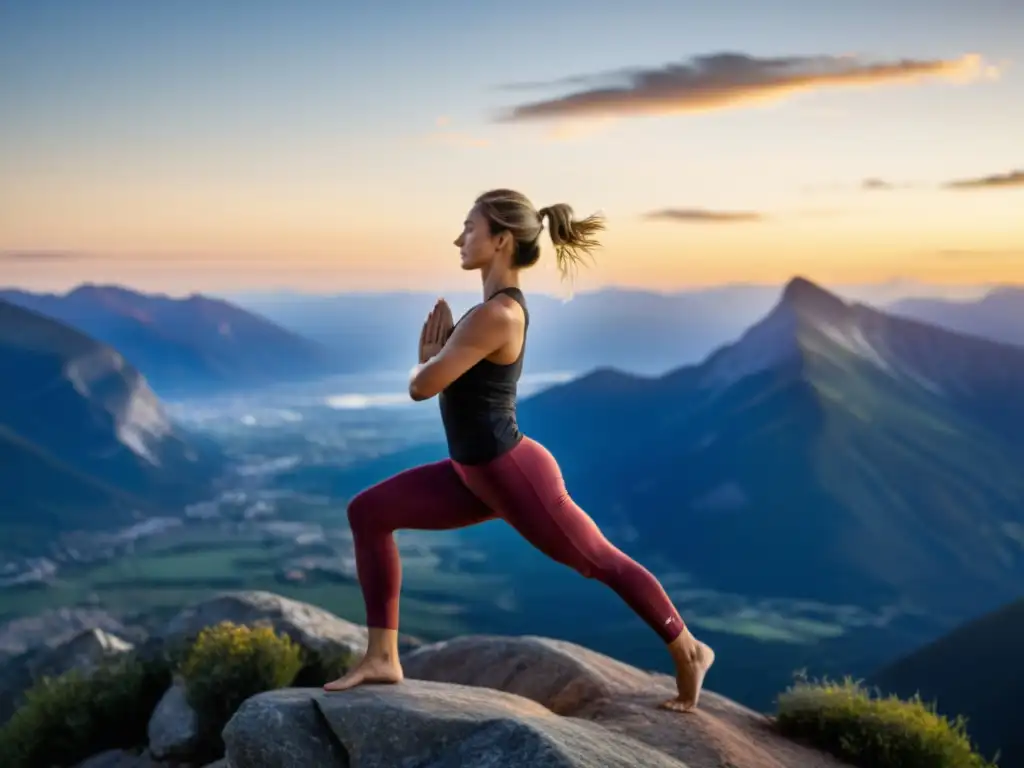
[227, 665]
[845, 720]
[67, 719]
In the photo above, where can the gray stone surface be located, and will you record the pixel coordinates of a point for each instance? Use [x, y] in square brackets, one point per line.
[311, 627]
[421, 724]
[282, 729]
[174, 727]
[575, 681]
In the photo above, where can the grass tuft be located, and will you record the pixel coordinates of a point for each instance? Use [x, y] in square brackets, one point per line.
[872, 731]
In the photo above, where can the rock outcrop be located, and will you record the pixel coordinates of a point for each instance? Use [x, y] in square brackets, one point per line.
[423, 724]
[509, 702]
[576, 682]
[311, 627]
[53, 627]
[481, 701]
[173, 729]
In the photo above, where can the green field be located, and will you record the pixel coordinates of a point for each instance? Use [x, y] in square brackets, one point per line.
[197, 561]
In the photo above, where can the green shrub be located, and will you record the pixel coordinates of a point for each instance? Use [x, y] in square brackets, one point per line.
[847, 721]
[67, 719]
[227, 665]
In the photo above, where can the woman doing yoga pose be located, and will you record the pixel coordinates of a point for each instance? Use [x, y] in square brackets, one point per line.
[494, 470]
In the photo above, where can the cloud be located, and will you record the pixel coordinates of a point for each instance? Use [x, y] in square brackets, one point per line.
[876, 184]
[981, 254]
[999, 180]
[727, 81]
[704, 216]
[39, 256]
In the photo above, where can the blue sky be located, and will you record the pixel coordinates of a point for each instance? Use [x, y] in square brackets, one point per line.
[201, 145]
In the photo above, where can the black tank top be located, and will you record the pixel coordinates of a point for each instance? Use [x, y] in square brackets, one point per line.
[478, 409]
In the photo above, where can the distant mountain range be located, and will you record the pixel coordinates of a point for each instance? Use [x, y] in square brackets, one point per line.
[635, 330]
[976, 671]
[202, 345]
[190, 346]
[999, 315]
[84, 442]
[640, 331]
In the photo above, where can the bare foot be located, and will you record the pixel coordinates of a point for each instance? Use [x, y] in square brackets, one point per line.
[693, 659]
[369, 670]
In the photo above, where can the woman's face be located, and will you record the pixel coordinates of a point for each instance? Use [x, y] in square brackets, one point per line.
[477, 247]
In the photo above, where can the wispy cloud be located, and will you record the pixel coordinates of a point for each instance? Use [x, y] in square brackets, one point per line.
[704, 216]
[999, 180]
[877, 184]
[727, 81]
[40, 256]
[979, 253]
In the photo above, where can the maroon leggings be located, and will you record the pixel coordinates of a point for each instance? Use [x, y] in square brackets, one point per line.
[524, 487]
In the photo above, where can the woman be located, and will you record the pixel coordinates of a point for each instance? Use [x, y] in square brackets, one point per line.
[494, 470]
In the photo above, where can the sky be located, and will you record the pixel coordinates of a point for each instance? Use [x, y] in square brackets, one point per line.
[230, 146]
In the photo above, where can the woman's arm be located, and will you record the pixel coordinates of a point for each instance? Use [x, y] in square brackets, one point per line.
[482, 333]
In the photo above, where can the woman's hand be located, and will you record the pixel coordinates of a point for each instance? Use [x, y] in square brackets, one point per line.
[483, 331]
[447, 321]
[436, 330]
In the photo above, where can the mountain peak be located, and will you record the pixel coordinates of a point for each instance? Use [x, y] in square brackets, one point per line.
[775, 340]
[98, 289]
[801, 289]
[805, 296]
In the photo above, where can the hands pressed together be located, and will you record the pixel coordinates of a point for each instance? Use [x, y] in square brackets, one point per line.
[436, 330]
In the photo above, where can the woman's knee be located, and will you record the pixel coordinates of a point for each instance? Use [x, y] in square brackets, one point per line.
[361, 509]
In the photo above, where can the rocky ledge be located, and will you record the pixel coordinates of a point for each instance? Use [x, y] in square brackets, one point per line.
[311, 627]
[481, 701]
[506, 701]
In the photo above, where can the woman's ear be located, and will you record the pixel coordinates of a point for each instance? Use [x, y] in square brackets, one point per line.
[504, 239]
